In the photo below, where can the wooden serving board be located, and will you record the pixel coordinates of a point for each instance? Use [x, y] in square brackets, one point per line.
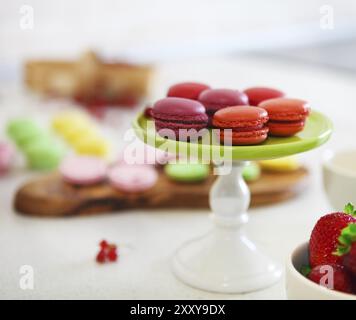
[51, 196]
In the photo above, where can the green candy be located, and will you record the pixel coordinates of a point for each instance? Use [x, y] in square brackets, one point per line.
[251, 172]
[44, 154]
[185, 172]
[24, 131]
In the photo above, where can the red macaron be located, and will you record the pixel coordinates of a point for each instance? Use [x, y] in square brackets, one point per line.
[258, 94]
[247, 124]
[178, 116]
[286, 116]
[188, 90]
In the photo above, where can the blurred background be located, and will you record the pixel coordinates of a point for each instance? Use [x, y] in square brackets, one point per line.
[161, 31]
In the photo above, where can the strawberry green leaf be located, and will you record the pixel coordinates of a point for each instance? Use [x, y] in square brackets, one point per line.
[346, 239]
[305, 270]
[350, 209]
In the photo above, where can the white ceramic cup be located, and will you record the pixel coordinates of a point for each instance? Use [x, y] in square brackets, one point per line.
[339, 176]
[299, 287]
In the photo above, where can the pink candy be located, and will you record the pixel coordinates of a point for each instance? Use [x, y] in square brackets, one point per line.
[83, 170]
[7, 153]
[132, 178]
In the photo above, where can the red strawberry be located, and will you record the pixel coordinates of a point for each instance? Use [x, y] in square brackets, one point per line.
[324, 238]
[339, 279]
[347, 248]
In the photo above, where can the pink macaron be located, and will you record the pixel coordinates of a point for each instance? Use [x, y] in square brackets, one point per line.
[174, 117]
[7, 153]
[83, 170]
[132, 178]
[216, 99]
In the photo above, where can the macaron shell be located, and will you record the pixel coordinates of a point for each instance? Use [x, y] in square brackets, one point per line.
[77, 133]
[258, 94]
[285, 109]
[24, 131]
[44, 155]
[132, 178]
[83, 170]
[94, 146]
[244, 138]
[66, 120]
[285, 129]
[251, 172]
[216, 99]
[187, 172]
[286, 164]
[188, 90]
[177, 107]
[240, 116]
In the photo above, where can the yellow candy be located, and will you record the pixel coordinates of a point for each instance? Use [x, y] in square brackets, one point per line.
[285, 164]
[80, 133]
[92, 146]
[67, 120]
[72, 135]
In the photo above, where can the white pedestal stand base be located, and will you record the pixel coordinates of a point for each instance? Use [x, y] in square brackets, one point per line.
[225, 260]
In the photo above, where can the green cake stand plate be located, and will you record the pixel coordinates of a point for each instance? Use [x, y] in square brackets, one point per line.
[225, 259]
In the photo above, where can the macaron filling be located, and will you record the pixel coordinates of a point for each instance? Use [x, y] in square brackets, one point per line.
[200, 118]
[251, 133]
[288, 116]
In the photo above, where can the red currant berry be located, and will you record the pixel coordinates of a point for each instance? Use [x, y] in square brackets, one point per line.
[101, 257]
[103, 244]
[112, 247]
[112, 255]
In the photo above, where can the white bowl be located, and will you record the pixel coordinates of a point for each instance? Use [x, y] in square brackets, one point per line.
[339, 175]
[299, 287]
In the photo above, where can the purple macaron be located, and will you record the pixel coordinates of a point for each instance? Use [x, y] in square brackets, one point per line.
[216, 99]
[177, 114]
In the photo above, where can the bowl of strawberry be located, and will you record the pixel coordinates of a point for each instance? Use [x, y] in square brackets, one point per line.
[325, 267]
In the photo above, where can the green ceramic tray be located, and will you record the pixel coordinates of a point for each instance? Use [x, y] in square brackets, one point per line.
[317, 131]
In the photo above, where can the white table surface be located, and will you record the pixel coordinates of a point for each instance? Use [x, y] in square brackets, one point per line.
[62, 250]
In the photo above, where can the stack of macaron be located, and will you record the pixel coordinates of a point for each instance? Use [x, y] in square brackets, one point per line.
[250, 115]
[84, 171]
[80, 133]
[42, 151]
[90, 170]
